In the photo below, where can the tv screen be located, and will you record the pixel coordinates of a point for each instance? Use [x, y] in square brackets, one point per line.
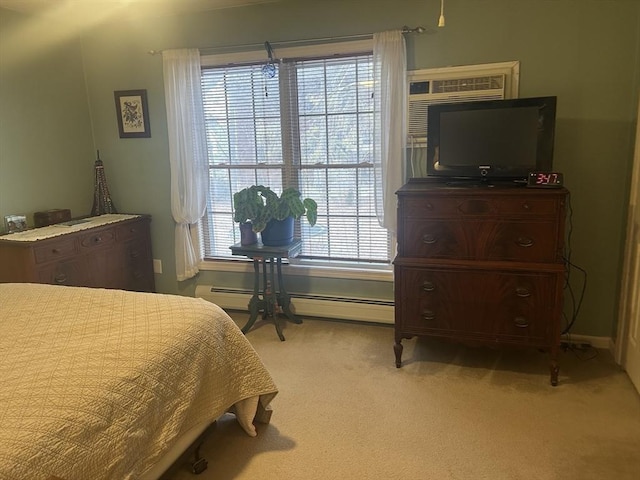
[501, 139]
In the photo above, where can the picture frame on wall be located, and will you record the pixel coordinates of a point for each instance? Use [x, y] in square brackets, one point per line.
[133, 113]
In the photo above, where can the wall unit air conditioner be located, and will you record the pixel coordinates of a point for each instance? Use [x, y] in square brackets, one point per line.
[455, 84]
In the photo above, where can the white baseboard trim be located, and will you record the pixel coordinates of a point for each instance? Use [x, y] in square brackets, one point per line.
[355, 309]
[604, 343]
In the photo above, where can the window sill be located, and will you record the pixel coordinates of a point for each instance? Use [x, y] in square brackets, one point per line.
[381, 273]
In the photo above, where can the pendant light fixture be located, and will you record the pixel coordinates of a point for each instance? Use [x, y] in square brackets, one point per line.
[441, 19]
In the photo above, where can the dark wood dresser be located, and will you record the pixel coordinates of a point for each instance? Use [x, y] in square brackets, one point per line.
[108, 251]
[481, 265]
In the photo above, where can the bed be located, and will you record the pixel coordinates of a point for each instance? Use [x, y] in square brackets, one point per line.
[105, 384]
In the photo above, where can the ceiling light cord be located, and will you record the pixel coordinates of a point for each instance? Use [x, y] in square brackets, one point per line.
[441, 19]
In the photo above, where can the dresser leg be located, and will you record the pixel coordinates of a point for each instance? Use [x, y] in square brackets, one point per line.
[397, 349]
[554, 369]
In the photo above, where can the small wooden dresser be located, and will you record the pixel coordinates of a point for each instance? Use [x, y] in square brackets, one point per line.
[481, 265]
[108, 251]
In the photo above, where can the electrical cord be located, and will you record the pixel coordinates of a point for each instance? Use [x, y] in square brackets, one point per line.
[583, 351]
[575, 305]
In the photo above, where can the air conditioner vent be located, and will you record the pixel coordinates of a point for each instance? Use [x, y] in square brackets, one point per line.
[417, 124]
[426, 88]
[495, 82]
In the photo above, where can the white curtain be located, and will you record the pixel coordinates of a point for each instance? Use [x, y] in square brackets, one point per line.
[187, 152]
[390, 78]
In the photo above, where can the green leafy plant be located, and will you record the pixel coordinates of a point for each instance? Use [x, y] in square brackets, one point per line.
[259, 204]
[247, 204]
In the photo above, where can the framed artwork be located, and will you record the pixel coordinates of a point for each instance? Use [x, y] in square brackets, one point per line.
[15, 223]
[133, 113]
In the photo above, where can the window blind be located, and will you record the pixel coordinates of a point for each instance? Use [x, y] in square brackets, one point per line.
[306, 124]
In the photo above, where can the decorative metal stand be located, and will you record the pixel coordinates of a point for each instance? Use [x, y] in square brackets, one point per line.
[102, 202]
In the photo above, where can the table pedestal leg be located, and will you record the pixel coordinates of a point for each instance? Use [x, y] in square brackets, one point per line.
[273, 301]
[283, 297]
[255, 303]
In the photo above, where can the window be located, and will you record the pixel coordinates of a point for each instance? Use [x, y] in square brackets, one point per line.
[306, 123]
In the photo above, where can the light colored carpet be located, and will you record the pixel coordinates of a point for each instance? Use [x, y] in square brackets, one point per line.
[344, 411]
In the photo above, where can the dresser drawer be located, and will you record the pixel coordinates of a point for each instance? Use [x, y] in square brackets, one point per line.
[529, 206]
[55, 250]
[131, 230]
[483, 305]
[432, 302]
[435, 239]
[72, 272]
[480, 240]
[521, 241]
[438, 206]
[99, 238]
[430, 207]
[138, 269]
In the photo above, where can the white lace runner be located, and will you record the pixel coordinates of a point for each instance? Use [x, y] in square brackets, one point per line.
[58, 229]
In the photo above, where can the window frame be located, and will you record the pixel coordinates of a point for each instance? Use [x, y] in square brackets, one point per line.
[330, 269]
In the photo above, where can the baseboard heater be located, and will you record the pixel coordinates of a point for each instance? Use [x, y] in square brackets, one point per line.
[355, 309]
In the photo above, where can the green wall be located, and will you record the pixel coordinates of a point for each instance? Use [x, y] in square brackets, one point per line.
[46, 147]
[584, 51]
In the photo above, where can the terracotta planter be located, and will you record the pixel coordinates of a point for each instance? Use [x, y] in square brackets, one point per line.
[278, 233]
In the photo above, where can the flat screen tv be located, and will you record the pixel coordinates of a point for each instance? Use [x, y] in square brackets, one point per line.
[491, 139]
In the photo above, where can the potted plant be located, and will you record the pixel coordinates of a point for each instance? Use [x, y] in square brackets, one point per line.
[271, 214]
[246, 205]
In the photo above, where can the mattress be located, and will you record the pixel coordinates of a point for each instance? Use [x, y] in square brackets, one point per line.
[102, 383]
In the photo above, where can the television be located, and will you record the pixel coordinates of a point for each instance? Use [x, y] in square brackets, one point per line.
[491, 140]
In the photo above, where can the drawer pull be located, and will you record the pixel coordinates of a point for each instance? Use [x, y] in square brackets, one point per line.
[520, 322]
[429, 206]
[526, 206]
[523, 292]
[429, 239]
[60, 278]
[55, 251]
[97, 239]
[525, 242]
[428, 286]
[428, 315]
[134, 254]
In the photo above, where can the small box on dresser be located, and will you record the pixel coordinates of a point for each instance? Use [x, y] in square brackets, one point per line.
[51, 217]
[480, 265]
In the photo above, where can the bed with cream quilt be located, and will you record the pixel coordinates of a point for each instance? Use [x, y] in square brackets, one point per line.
[107, 384]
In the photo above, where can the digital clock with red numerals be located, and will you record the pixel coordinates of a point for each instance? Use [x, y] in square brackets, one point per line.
[545, 179]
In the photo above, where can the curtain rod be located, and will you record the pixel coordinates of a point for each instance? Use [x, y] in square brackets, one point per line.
[405, 30]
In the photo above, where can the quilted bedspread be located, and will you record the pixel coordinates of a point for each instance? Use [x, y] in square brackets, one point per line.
[98, 384]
